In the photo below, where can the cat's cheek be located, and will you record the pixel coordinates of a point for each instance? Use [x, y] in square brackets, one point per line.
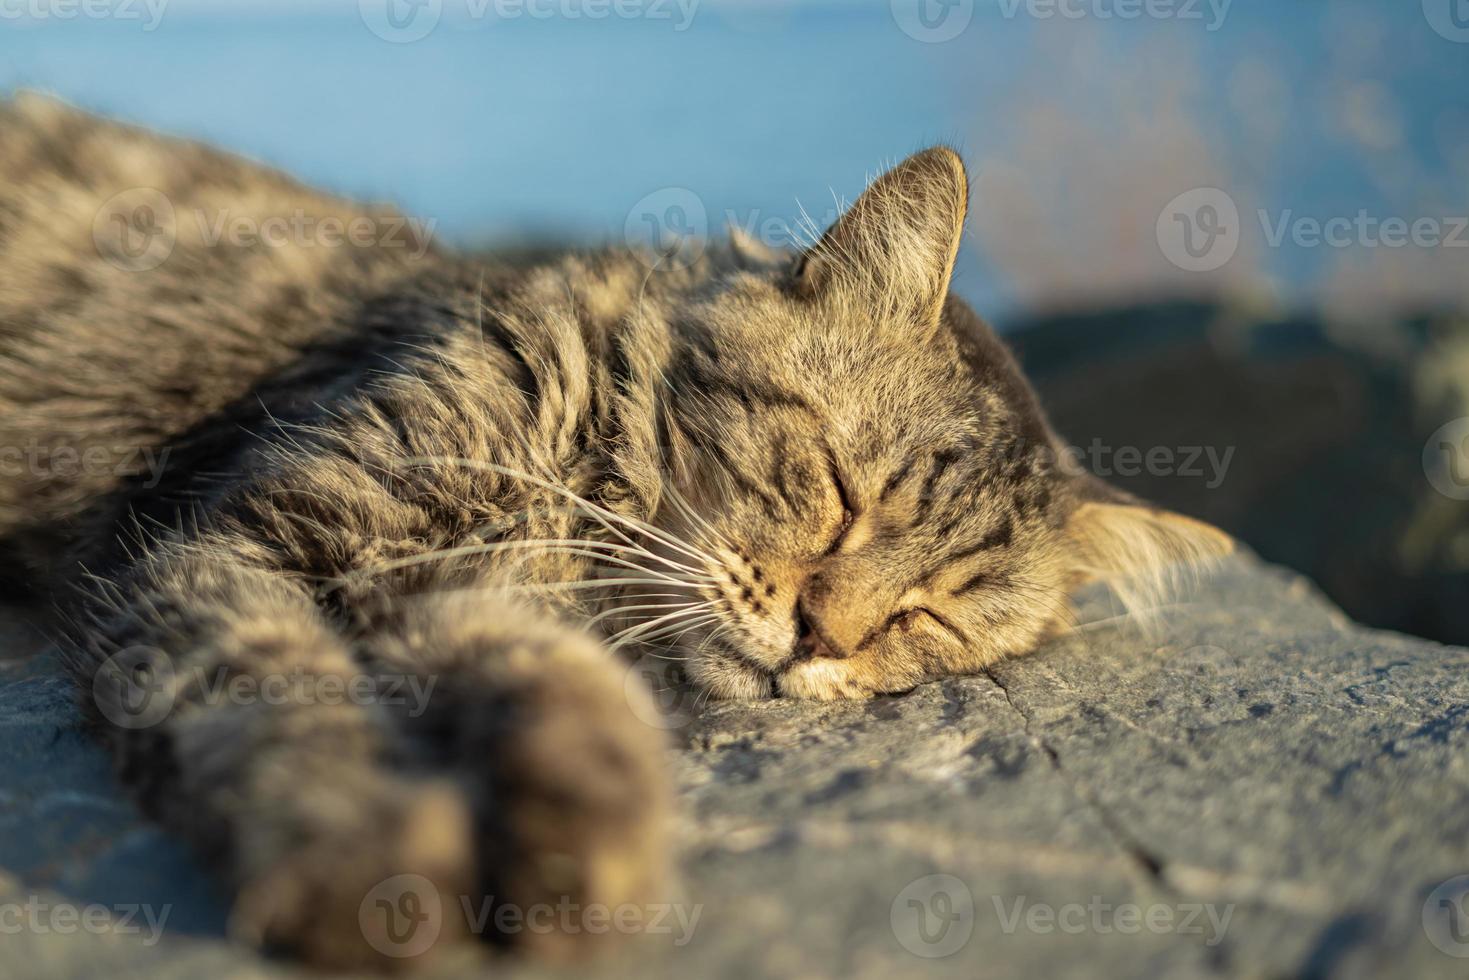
[823, 680]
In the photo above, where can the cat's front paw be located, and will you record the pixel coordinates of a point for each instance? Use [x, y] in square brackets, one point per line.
[576, 826]
[824, 680]
[378, 890]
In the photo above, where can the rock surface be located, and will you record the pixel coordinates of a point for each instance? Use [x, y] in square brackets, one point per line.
[1257, 788]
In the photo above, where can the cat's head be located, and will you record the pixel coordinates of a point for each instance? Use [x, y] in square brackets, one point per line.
[871, 490]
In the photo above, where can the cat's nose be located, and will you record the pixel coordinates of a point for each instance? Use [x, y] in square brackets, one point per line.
[810, 639]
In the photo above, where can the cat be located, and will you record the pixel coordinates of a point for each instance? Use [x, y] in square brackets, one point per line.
[809, 474]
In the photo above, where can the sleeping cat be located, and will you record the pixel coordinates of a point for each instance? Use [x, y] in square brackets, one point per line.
[813, 475]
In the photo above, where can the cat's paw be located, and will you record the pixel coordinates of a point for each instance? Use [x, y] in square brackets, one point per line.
[576, 827]
[824, 680]
[381, 890]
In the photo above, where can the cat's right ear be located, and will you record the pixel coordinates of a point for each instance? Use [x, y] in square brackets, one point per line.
[894, 250]
[1139, 549]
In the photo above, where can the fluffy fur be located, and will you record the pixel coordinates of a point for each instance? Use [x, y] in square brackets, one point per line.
[815, 475]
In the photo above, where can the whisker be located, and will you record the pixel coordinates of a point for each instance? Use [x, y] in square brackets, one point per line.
[620, 610]
[568, 585]
[499, 546]
[685, 508]
[680, 627]
[601, 514]
[623, 637]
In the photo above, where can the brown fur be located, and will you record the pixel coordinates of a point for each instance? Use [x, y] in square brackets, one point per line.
[818, 476]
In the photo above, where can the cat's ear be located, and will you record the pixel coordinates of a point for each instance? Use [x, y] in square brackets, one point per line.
[1139, 549]
[894, 249]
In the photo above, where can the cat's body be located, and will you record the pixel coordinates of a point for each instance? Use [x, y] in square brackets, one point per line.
[820, 477]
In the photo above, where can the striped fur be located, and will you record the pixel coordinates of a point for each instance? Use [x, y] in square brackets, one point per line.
[812, 475]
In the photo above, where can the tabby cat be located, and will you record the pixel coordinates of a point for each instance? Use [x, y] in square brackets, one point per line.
[813, 475]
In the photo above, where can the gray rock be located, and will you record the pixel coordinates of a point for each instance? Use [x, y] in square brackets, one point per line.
[1257, 787]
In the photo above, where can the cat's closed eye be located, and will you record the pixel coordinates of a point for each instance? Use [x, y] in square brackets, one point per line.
[905, 621]
[849, 511]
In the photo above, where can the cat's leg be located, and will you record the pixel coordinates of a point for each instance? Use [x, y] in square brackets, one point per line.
[229, 702]
[568, 775]
[499, 753]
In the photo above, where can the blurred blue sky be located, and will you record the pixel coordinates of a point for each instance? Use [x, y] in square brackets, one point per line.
[1079, 129]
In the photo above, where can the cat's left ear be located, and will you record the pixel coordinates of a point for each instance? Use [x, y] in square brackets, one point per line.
[895, 248]
[1129, 543]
